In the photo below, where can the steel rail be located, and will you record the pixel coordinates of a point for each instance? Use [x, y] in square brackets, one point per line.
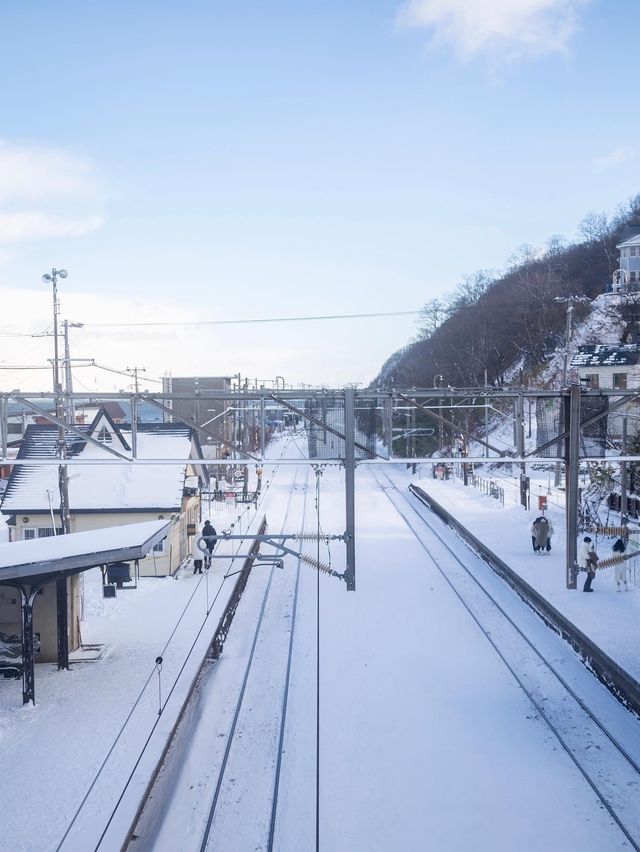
[287, 683]
[230, 738]
[623, 686]
[538, 706]
[176, 725]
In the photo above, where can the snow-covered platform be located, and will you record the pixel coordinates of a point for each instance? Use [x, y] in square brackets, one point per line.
[608, 617]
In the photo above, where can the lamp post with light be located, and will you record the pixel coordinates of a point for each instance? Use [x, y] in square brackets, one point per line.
[52, 278]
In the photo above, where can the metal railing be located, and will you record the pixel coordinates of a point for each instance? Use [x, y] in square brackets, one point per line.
[488, 487]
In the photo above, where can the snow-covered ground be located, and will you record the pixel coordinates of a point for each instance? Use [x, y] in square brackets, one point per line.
[426, 740]
[609, 617]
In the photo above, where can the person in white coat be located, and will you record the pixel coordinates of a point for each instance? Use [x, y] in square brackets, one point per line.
[587, 560]
[619, 548]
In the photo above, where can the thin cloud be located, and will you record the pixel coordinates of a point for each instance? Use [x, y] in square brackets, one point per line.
[36, 225]
[29, 173]
[504, 29]
[615, 157]
[47, 193]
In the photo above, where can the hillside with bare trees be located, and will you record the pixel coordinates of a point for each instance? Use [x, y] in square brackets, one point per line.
[493, 326]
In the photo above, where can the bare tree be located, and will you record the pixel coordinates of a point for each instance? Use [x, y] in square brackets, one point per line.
[432, 316]
[597, 229]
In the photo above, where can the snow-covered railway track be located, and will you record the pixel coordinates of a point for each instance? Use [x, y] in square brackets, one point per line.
[220, 783]
[235, 765]
[609, 766]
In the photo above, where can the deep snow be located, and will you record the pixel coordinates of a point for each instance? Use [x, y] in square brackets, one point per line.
[426, 741]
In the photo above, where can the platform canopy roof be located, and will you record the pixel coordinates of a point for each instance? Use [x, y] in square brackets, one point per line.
[34, 560]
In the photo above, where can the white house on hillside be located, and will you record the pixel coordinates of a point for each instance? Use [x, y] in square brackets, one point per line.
[111, 494]
[627, 277]
[610, 367]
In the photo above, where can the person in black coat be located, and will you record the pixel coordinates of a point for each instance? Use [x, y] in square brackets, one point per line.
[210, 536]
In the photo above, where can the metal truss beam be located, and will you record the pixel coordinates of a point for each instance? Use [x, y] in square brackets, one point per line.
[188, 422]
[70, 428]
[626, 400]
[324, 426]
[450, 423]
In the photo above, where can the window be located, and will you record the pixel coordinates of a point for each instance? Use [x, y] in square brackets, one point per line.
[30, 533]
[633, 251]
[620, 381]
[594, 380]
[104, 436]
[159, 547]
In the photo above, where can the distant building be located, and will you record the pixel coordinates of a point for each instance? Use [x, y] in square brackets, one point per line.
[213, 416]
[626, 279]
[617, 367]
[114, 410]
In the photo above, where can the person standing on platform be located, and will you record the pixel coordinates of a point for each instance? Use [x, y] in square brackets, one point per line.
[541, 532]
[197, 558]
[619, 547]
[587, 561]
[210, 537]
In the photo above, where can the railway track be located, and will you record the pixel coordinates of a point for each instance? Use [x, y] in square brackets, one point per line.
[227, 774]
[610, 767]
[231, 796]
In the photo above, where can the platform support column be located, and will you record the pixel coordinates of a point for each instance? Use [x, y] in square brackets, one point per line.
[28, 675]
[350, 472]
[572, 465]
[387, 425]
[62, 623]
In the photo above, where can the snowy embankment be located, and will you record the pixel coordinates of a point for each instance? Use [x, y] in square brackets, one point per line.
[608, 617]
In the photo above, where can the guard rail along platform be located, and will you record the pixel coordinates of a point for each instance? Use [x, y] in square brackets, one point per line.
[625, 687]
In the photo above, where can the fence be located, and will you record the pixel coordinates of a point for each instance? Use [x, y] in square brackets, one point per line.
[488, 487]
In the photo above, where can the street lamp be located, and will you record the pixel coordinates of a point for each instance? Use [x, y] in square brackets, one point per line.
[52, 278]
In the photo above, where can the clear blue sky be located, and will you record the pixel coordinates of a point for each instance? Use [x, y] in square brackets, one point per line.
[221, 160]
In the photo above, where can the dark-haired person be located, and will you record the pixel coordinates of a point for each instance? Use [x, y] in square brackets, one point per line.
[210, 537]
[587, 561]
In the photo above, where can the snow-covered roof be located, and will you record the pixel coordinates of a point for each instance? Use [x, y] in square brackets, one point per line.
[632, 241]
[606, 356]
[77, 551]
[101, 488]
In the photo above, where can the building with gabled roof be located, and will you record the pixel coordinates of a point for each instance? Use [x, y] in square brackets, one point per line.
[626, 279]
[610, 366]
[107, 495]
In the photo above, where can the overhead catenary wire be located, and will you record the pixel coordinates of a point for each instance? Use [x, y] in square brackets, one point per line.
[318, 475]
[141, 693]
[249, 321]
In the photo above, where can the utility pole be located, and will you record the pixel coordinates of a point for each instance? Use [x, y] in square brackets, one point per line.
[135, 371]
[63, 480]
[69, 407]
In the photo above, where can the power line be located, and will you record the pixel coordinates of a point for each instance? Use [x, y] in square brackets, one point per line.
[6, 333]
[123, 373]
[255, 320]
